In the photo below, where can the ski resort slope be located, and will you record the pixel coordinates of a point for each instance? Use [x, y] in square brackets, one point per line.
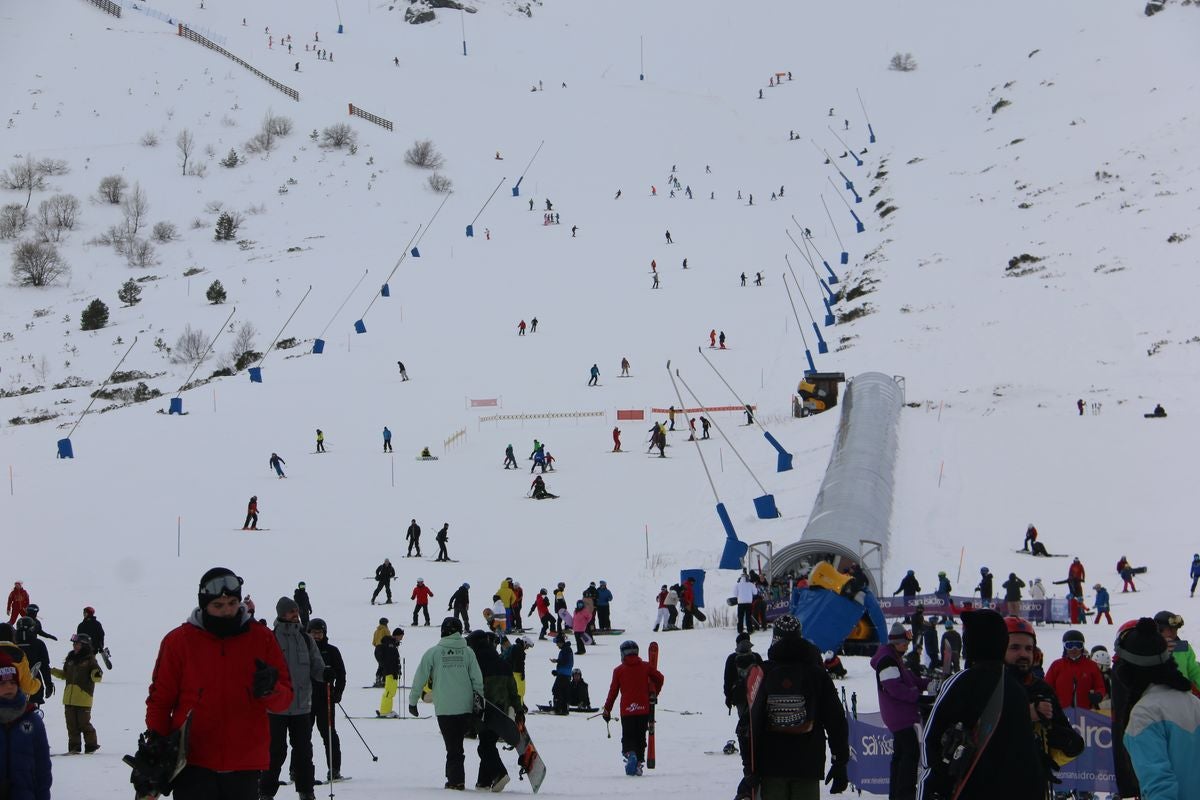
[1096, 141]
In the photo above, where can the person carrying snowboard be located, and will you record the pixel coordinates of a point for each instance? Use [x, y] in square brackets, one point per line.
[251, 523]
[413, 537]
[499, 689]
[452, 670]
[443, 536]
[639, 686]
[510, 460]
[276, 463]
[1126, 571]
[384, 574]
[794, 711]
[320, 441]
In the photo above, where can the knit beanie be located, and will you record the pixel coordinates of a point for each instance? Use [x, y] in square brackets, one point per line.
[285, 606]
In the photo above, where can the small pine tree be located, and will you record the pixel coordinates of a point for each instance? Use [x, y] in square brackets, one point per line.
[94, 317]
[231, 160]
[130, 293]
[226, 229]
[215, 293]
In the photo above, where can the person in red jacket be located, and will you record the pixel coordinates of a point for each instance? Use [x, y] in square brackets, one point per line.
[421, 593]
[687, 601]
[639, 685]
[1075, 678]
[1075, 577]
[541, 604]
[18, 601]
[225, 673]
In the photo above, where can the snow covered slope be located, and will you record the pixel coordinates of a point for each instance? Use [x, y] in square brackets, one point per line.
[1095, 141]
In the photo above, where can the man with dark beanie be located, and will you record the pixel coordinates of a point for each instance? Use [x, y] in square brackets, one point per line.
[1162, 716]
[1010, 764]
[236, 666]
[306, 666]
[899, 692]
[737, 666]
[326, 695]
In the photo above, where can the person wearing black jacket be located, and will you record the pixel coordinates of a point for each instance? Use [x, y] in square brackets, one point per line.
[92, 627]
[460, 604]
[387, 655]
[909, 586]
[326, 695]
[413, 535]
[301, 598]
[737, 666]
[383, 580]
[985, 584]
[31, 611]
[789, 747]
[35, 650]
[1012, 594]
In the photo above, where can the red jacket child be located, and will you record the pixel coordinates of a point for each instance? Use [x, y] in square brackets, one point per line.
[421, 593]
[18, 601]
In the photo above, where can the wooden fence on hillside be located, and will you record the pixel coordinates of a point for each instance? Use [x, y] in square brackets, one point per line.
[355, 111]
[107, 6]
[188, 33]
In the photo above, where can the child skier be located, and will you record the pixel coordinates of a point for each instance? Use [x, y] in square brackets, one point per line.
[639, 686]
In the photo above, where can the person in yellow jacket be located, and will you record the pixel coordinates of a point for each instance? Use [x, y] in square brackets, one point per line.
[508, 597]
[80, 673]
[381, 632]
[29, 683]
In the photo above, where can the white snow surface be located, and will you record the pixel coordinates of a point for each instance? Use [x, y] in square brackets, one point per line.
[993, 363]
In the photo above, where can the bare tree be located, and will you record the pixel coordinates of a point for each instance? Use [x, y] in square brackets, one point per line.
[26, 176]
[58, 214]
[141, 253]
[903, 62]
[276, 125]
[339, 135]
[191, 347]
[112, 188]
[135, 206]
[440, 183]
[37, 264]
[165, 232]
[186, 144]
[12, 220]
[424, 154]
[42, 368]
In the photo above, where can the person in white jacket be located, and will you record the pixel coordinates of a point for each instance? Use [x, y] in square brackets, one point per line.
[745, 591]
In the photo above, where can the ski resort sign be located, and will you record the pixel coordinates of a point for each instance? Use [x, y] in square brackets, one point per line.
[1043, 610]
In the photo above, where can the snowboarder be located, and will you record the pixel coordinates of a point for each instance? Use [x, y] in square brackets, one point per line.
[320, 441]
[712, 339]
[639, 685]
[539, 460]
[453, 672]
[510, 460]
[574, 228]
[538, 490]
[300, 595]
[595, 373]
[616, 434]
[421, 594]
[604, 598]
[669, 238]
[521, 327]
[625, 367]
[721, 340]
[384, 574]
[499, 689]
[533, 325]
[276, 463]
[749, 414]
[758, 276]
[91, 626]
[387, 440]
[541, 605]
[705, 425]
[564, 665]
[251, 523]
[1126, 571]
[327, 694]
[413, 537]
[36, 656]
[743, 279]
[443, 535]
[685, 263]
[403, 371]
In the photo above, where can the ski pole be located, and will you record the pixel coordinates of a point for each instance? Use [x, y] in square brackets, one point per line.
[360, 736]
[329, 735]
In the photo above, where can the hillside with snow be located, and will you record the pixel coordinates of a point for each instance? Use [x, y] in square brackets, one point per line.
[1061, 133]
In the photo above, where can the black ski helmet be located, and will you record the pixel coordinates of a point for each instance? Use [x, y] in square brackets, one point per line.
[82, 639]
[317, 624]
[1072, 636]
[451, 625]
[629, 648]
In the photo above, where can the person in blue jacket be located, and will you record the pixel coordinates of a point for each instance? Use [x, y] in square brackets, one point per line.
[1101, 605]
[595, 373]
[943, 589]
[564, 664]
[1195, 572]
[276, 463]
[604, 596]
[387, 439]
[24, 748]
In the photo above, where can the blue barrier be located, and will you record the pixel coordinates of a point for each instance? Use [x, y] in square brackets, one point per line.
[318, 346]
[385, 291]
[64, 449]
[360, 326]
[416, 253]
[845, 257]
[255, 374]
[470, 231]
[698, 588]
[735, 548]
[176, 406]
[785, 458]
[765, 507]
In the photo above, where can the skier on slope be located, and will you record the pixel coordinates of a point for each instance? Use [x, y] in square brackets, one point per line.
[251, 523]
[18, 601]
[327, 694]
[384, 574]
[301, 598]
[541, 605]
[460, 603]
[421, 594]
[276, 463]
[387, 439]
[320, 441]
[595, 375]
[616, 434]
[538, 490]
[510, 460]
[413, 537]
[443, 536]
[639, 685]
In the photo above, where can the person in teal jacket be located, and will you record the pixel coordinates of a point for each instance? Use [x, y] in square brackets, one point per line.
[1162, 735]
[1169, 624]
[453, 671]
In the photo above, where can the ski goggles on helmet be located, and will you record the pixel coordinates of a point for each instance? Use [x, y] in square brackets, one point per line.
[222, 584]
[1171, 621]
[1072, 645]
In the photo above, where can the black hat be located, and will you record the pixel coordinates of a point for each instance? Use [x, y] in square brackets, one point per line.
[218, 582]
[1142, 645]
[787, 626]
[985, 636]
[742, 637]
[451, 625]
[317, 624]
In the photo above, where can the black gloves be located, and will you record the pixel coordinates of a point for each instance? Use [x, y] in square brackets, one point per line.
[477, 705]
[607, 717]
[49, 688]
[1094, 698]
[265, 677]
[414, 711]
[837, 777]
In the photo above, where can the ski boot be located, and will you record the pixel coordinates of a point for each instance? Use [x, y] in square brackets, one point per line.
[631, 764]
[730, 748]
